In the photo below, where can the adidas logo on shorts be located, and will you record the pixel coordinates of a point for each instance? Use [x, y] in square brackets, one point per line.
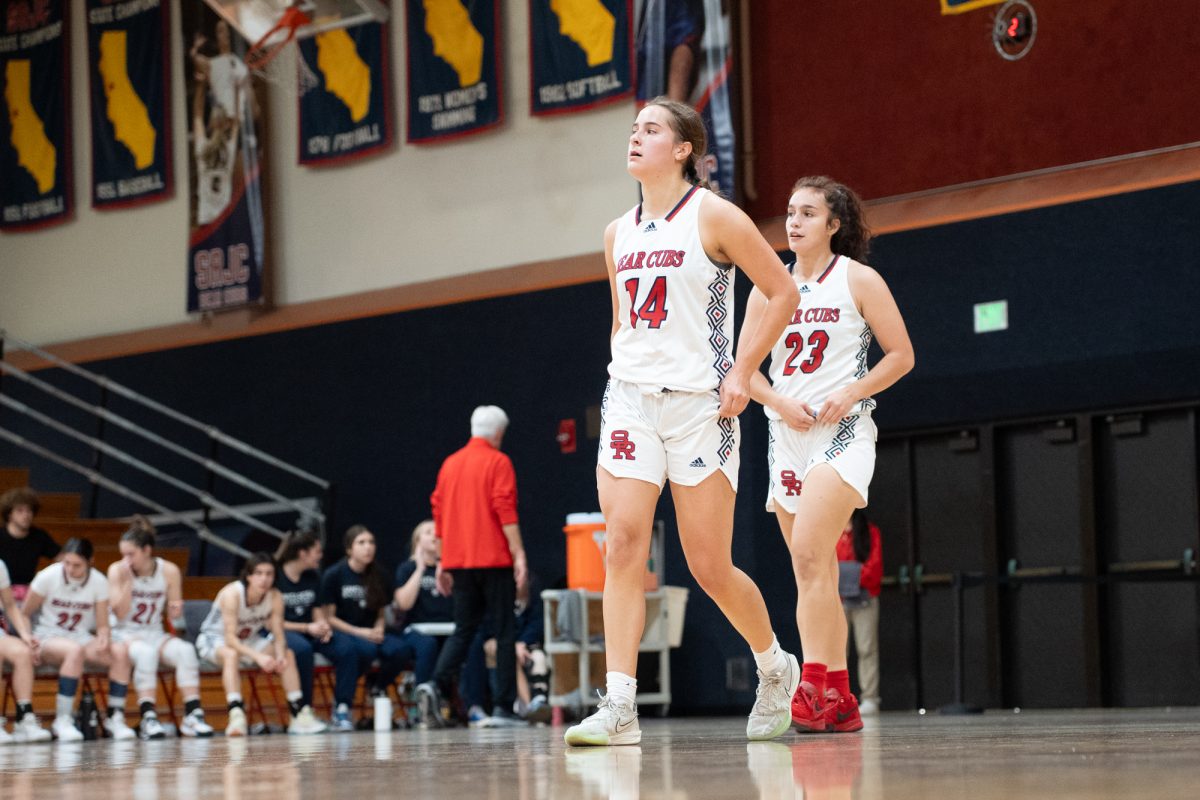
[699, 462]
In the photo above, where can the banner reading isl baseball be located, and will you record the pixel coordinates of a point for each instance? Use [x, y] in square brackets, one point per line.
[131, 98]
[453, 68]
[227, 238]
[345, 92]
[683, 52]
[580, 54]
[35, 133]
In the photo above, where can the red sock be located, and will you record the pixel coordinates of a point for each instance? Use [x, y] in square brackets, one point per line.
[814, 674]
[839, 680]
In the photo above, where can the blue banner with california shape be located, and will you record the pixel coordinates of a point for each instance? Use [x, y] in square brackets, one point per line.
[580, 54]
[959, 6]
[130, 101]
[345, 94]
[35, 124]
[453, 68]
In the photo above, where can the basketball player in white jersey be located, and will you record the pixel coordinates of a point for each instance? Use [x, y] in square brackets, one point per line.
[670, 409]
[141, 587]
[245, 629]
[73, 630]
[214, 145]
[20, 650]
[822, 439]
[226, 75]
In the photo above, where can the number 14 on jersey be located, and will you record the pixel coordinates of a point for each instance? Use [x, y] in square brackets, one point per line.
[653, 310]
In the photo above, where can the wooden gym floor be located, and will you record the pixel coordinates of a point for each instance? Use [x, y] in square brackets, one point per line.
[1081, 754]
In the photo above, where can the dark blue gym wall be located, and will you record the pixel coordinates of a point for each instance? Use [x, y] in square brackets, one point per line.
[1102, 301]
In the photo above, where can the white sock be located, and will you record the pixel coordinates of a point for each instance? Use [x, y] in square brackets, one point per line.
[63, 705]
[294, 696]
[772, 659]
[621, 687]
[233, 697]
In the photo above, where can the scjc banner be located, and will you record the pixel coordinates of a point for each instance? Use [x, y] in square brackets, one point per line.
[130, 102]
[35, 126]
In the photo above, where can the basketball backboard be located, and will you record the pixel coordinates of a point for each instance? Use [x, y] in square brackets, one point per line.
[253, 18]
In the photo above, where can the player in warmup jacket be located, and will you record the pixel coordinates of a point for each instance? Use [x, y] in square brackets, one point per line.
[245, 629]
[141, 587]
[822, 438]
[671, 405]
[73, 630]
[20, 651]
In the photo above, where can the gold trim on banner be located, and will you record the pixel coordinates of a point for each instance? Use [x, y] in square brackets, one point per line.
[949, 9]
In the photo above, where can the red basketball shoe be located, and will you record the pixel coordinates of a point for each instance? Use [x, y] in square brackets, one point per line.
[808, 715]
[841, 712]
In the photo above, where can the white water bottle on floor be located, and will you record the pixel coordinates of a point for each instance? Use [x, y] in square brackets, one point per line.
[383, 713]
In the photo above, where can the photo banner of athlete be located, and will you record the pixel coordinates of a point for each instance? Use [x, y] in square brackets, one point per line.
[683, 52]
[345, 91]
[453, 68]
[580, 54]
[227, 237]
[35, 128]
[130, 101]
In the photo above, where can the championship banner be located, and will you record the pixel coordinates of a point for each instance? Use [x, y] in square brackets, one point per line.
[35, 125]
[683, 52]
[345, 94]
[226, 239]
[580, 54]
[130, 101]
[959, 6]
[453, 68]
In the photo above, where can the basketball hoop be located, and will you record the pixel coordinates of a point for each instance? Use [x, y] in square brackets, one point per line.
[262, 56]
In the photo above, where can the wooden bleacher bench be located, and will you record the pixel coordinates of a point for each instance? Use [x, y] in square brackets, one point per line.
[59, 505]
[13, 478]
[100, 532]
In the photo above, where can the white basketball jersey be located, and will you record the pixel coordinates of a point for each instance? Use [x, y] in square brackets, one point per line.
[5, 579]
[214, 182]
[69, 608]
[146, 603]
[225, 73]
[824, 347]
[251, 620]
[676, 305]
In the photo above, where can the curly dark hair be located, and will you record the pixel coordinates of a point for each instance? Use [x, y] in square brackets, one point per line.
[23, 496]
[853, 238]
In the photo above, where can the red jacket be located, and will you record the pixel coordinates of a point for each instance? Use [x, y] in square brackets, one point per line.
[476, 495]
[872, 570]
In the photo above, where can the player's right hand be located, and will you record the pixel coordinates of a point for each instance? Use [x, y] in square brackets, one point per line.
[796, 415]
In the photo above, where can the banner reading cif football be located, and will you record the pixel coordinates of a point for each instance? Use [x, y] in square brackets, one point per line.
[345, 93]
[35, 132]
[131, 101]
[453, 67]
[683, 52]
[579, 53]
[226, 242]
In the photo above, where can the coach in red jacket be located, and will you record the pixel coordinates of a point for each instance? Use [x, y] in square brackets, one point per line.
[483, 560]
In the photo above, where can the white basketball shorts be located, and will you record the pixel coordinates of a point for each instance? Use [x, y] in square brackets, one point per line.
[848, 446]
[659, 435]
[207, 645]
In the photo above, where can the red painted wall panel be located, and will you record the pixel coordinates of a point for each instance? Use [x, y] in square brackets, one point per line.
[892, 97]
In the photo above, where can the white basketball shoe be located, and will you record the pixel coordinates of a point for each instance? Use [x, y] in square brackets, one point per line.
[771, 715]
[614, 722]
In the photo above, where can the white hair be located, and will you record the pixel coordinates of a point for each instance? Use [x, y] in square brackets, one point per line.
[488, 422]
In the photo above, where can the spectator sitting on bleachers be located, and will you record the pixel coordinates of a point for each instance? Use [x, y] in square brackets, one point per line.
[307, 628]
[417, 599]
[21, 543]
[245, 629]
[355, 593]
[533, 666]
[20, 651]
[73, 630]
[141, 587]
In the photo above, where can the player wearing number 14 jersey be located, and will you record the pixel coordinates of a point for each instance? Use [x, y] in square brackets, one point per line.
[822, 439]
[73, 630]
[670, 409]
[141, 588]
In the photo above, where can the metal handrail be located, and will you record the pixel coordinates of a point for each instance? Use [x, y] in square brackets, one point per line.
[119, 454]
[96, 478]
[134, 428]
[178, 416]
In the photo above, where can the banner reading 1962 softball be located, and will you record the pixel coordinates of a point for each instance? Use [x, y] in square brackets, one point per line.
[580, 54]
[453, 67]
[35, 132]
[131, 101]
[345, 94]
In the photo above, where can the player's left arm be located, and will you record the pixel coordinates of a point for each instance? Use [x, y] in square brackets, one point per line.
[279, 637]
[729, 236]
[878, 308]
[174, 591]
